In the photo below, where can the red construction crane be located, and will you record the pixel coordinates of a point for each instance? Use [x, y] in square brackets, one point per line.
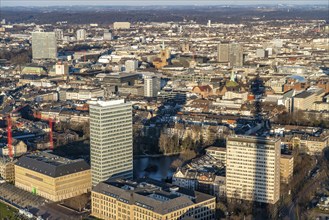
[51, 142]
[10, 137]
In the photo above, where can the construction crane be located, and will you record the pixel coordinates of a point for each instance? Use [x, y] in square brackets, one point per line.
[51, 142]
[10, 137]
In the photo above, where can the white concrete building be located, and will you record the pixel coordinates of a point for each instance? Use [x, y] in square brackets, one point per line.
[111, 140]
[253, 168]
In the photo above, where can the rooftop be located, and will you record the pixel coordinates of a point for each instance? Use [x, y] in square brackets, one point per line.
[157, 196]
[51, 165]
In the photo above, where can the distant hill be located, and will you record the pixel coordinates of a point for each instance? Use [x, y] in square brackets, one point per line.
[107, 15]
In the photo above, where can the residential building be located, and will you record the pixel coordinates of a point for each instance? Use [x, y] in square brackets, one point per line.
[217, 152]
[107, 35]
[7, 170]
[151, 86]
[81, 35]
[59, 34]
[52, 177]
[111, 144]
[286, 167]
[149, 199]
[44, 45]
[253, 168]
[131, 65]
[204, 174]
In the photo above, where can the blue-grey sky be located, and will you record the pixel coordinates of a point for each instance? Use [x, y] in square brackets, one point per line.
[153, 2]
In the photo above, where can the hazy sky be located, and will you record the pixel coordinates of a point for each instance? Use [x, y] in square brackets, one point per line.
[152, 2]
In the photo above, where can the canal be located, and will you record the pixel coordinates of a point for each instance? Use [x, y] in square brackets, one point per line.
[161, 167]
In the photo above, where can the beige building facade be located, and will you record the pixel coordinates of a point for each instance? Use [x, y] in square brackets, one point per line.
[52, 177]
[286, 168]
[253, 168]
[145, 200]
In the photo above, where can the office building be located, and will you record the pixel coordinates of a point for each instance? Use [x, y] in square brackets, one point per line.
[306, 99]
[131, 65]
[151, 86]
[111, 144]
[121, 25]
[44, 45]
[81, 35]
[253, 168]
[107, 35]
[59, 34]
[52, 177]
[231, 53]
[149, 199]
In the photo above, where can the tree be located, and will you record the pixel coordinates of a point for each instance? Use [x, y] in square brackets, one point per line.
[163, 143]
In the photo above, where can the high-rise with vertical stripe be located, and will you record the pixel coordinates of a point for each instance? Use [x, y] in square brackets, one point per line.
[111, 143]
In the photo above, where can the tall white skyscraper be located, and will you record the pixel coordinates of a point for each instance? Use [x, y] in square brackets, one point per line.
[151, 86]
[81, 35]
[111, 140]
[44, 45]
[253, 168]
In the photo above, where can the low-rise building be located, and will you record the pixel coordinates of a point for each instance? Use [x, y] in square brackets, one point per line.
[286, 168]
[149, 199]
[204, 174]
[7, 171]
[217, 152]
[52, 177]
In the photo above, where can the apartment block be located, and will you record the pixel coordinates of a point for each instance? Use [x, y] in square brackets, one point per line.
[253, 168]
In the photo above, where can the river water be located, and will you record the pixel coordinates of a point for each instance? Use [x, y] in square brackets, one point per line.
[163, 164]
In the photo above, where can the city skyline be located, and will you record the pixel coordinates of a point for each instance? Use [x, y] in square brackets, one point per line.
[36, 3]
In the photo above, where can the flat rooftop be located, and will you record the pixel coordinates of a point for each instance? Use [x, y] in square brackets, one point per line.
[157, 196]
[51, 165]
[253, 139]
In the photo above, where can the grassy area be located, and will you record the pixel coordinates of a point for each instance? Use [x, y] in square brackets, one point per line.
[7, 212]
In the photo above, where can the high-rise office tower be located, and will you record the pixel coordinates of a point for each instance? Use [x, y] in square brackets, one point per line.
[231, 53]
[151, 86]
[223, 52]
[111, 143]
[253, 168]
[81, 35]
[44, 45]
[59, 34]
[236, 55]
